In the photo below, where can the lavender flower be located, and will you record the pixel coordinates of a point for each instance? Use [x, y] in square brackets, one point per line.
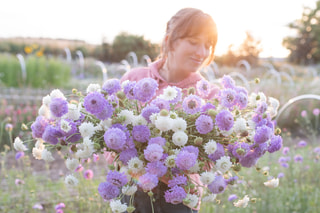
[116, 178]
[281, 175]
[203, 88]
[228, 98]
[128, 90]
[149, 110]
[285, 150]
[240, 149]
[263, 134]
[59, 206]
[298, 158]
[249, 160]
[127, 154]
[260, 149]
[275, 144]
[39, 126]
[191, 104]
[88, 174]
[145, 89]
[51, 135]
[218, 153]
[73, 135]
[58, 107]
[204, 124]
[111, 86]
[179, 180]
[242, 100]
[115, 138]
[224, 120]
[156, 168]
[232, 197]
[160, 103]
[157, 140]
[19, 155]
[262, 107]
[175, 195]
[191, 149]
[316, 111]
[207, 106]
[108, 191]
[141, 133]
[302, 144]
[94, 102]
[148, 181]
[153, 152]
[218, 185]
[227, 82]
[185, 160]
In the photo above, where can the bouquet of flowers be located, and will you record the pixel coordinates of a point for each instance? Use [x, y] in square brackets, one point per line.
[175, 136]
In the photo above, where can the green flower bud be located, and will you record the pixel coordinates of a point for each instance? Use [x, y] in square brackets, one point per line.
[277, 131]
[111, 167]
[198, 141]
[164, 112]
[253, 200]
[130, 209]
[236, 167]
[74, 91]
[24, 127]
[257, 80]
[150, 193]
[191, 91]
[212, 112]
[121, 95]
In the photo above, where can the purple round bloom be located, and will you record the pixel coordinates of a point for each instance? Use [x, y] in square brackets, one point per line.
[59, 206]
[185, 160]
[317, 150]
[263, 134]
[39, 126]
[111, 86]
[262, 107]
[115, 138]
[148, 181]
[160, 103]
[283, 159]
[298, 158]
[88, 174]
[207, 106]
[242, 100]
[275, 143]
[240, 149]
[145, 89]
[191, 149]
[281, 175]
[19, 155]
[51, 135]
[175, 195]
[249, 160]
[227, 82]
[191, 104]
[128, 90]
[218, 185]
[232, 180]
[153, 152]
[284, 165]
[127, 154]
[156, 168]
[285, 150]
[141, 133]
[149, 110]
[58, 107]
[157, 140]
[224, 120]
[108, 191]
[204, 124]
[179, 180]
[203, 88]
[302, 143]
[260, 149]
[316, 111]
[232, 197]
[106, 112]
[228, 98]
[73, 135]
[218, 153]
[116, 178]
[94, 102]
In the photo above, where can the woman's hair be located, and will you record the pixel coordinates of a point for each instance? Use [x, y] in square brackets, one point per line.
[189, 22]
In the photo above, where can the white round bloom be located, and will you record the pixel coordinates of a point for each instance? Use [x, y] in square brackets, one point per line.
[153, 117]
[124, 83]
[86, 150]
[262, 97]
[135, 165]
[37, 153]
[242, 203]
[240, 125]
[179, 138]
[65, 126]
[207, 177]
[39, 144]
[71, 180]
[195, 168]
[128, 116]
[170, 161]
[93, 88]
[223, 164]
[210, 147]
[191, 200]
[253, 99]
[86, 129]
[56, 93]
[169, 93]
[139, 120]
[18, 145]
[44, 111]
[273, 183]
[47, 155]
[106, 124]
[72, 164]
[46, 100]
[251, 124]
[73, 112]
[163, 123]
[117, 207]
[209, 198]
[129, 190]
[179, 124]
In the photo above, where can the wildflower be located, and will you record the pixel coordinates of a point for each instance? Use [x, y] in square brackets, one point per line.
[39, 126]
[273, 183]
[59, 206]
[148, 181]
[240, 125]
[191, 200]
[179, 124]
[127, 154]
[223, 164]
[316, 111]
[18, 145]
[243, 203]
[135, 165]
[179, 138]
[210, 147]
[227, 82]
[145, 89]
[275, 144]
[249, 160]
[228, 98]
[79, 168]
[281, 175]
[185, 160]
[204, 124]
[203, 88]
[73, 112]
[47, 156]
[178, 180]
[72, 164]
[191, 104]
[163, 123]
[170, 94]
[207, 177]
[70, 180]
[160, 103]
[108, 191]
[209, 198]
[175, 195]
[115, 138]
[218, 185]
[37, 206]
[224, 120]
[93, 88]
[170, 161]
[58, 107]
[232, 197]
[285, 150]
[298, 158]
[302, 143]
[156, 168]
[88, 174]
[263, 134]
[141, 133]
[153, 152]
[157, 140]
[129, 190]
[218, 153]
[149, 110]
[111, 86]
[9, 127]
[19, 182]
[51, 135]
[128, 89]
[117, 207]
[19, 155]
[127, 115]
[86, 129]
[304, 113]
[94, 102]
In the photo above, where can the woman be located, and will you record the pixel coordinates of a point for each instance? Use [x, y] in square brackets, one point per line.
[189, 44]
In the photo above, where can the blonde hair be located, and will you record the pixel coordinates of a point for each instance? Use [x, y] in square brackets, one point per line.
[189, 22]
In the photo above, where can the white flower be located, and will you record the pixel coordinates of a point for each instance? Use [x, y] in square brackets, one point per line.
[169, 93]
[195, 168]
[73, 112]
[124, 83]
[153, 117]
[242, 203]
[47, 155]
[44, 111]
[207, 177]
[93, 88]
[273, 183]
[39, 144]
[139, 120]
[251, 124]
[191, 200]
[46, 100]
[65, 126]
[240, 125]
[209, 198]
[210, 147]
[18, 145]
[105, 124]
[72, 164]
[128, 116]
[117, 207]
[135, 165]
[86, 150]
[86, 129]
[71, 180]
[179, 124]
[37, 153]
[179, 138]
[129, 190]
[262, 97]
[57, 94]
[163, 123]
[223, 164]
[170, 161]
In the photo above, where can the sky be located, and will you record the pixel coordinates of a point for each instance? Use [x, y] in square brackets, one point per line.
[94, 20]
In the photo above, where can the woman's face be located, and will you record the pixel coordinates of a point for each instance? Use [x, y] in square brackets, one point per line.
[188, 54]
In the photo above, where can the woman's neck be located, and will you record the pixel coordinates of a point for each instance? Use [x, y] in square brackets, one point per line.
[171, 74]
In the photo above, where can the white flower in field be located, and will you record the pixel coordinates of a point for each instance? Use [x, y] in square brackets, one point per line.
[94, 88]
[86, 129]
[191, 200]
[65, 126]
[273, 183]
[223, 164]
[135, 165]
[73, 112]
[179, 138]
[37, 153]
[242, 203]
[117, 207]
[139, 120]
[44, 111]
[274, 102]
[18, 145]
[195, 168]
[71, 180]
[169, 93]
[210, 147]
[72, 164]
[129, 190]
[47, 155]
[86, 149]
[128, 116]
[39, 144]
[170, 161]
[56, 93]
[105, 124]
[163, 123]
[209, 198]
[240, 125]
[46, 100]
[179, 124]
[207, 177]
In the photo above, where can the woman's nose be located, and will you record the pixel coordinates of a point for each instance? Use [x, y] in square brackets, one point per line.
[202, 51]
